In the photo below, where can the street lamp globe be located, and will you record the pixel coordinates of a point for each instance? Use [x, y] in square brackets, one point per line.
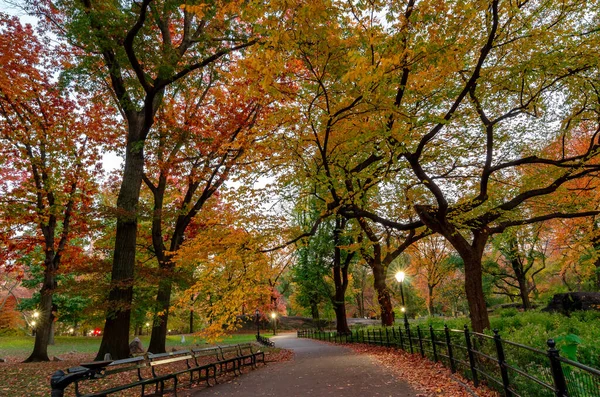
[400, 276]
[273, 315]
[403, 309]
[33, 323]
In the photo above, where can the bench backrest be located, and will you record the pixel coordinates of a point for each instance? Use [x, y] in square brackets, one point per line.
[229, 351]
[181, 357]
[246, 348]
[132, 366]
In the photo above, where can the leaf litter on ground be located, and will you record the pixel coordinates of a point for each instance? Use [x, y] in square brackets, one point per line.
[18, 379]
[429, 379]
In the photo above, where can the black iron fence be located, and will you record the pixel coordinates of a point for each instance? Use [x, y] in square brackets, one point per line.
[511, 368]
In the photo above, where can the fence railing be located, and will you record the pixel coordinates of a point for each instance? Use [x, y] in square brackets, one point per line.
[511, 368]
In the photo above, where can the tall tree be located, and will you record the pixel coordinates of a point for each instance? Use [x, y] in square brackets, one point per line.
[204, 132]
[430, 259]
[472, 110]
[523, 256]
[51, 137]
[141, 49]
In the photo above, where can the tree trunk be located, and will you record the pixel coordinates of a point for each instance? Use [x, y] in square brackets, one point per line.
[383, 294]
[191, 321]
[314, 310]
[43, 327]
[524, 290]
[474, 291]
[360, 303]
[430, 299]
[159, 328]
[52, 331]
[115, 339]
[597, 264]
[340, 280]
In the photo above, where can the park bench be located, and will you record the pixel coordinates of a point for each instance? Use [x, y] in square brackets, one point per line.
[248, 356]
[131, 366]
[157, 369]
[181, 362]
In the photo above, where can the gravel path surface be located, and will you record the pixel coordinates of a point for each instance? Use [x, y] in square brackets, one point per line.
[317, 369]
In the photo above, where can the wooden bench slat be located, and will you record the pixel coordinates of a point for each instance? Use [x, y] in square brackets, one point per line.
[170, 360]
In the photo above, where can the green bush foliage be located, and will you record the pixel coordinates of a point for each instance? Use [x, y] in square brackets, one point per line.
[534, 328]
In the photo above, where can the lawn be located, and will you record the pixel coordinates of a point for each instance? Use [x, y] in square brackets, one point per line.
[17, 348]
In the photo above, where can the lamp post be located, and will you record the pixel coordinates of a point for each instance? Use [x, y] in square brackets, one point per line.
[257, 318]
[147, 328]
[274, 317]
[400, 278]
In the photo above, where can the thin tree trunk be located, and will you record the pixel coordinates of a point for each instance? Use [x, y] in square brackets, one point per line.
[43, 327]
[523, 290]
[360, 304]
[52, 331]
[314, 311]
[597, 265]
[191, 321]
[340, 280]
[159, 328]
[115, 339]
[383, 294]
[430, 299]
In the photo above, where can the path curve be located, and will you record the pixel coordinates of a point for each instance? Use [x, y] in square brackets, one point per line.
[317, 369]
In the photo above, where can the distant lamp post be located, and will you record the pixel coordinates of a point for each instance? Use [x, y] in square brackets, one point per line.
[36, 314]
[400, 276]
[147, 328]
[71, 331]
[274, 317]
[257, 319]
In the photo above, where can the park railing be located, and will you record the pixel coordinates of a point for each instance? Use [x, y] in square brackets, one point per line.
[513, 369]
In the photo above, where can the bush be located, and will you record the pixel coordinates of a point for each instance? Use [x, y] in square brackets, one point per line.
[534, 328]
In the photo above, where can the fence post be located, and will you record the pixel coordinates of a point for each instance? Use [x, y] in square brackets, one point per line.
[433, 347]
[420, 341]
[387, 338]
[502, 364]
[471, 356]
[380, 338]
[449, 347]
[557, 372]
[409, 339]
[401, 338]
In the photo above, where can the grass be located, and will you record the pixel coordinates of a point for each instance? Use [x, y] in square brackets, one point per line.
[21, 346]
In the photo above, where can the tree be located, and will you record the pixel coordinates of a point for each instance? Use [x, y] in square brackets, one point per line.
[230, 271]
[52, 138]
[203, 133]
[312, 268]
[142, 49]
[524, 254]
[430, 259]
[379, 252]
[484, 138]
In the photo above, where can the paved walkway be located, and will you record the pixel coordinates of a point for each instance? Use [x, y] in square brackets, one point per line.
[317, 369]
